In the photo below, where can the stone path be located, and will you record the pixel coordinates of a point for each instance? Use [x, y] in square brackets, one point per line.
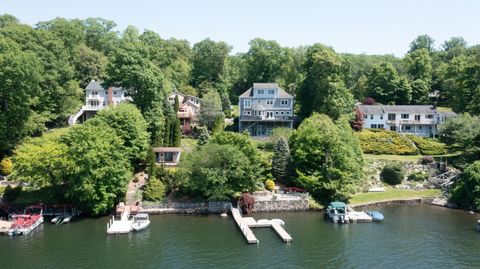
[134, 187]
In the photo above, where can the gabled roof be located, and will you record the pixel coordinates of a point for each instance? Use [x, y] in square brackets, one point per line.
[281, 93]
[189, 102]
[97, 86]
[166, 149]
[420, 109]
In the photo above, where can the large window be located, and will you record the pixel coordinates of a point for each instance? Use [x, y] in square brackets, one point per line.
[371, 116]
[247, 103]
[391, 116]
[405, 116]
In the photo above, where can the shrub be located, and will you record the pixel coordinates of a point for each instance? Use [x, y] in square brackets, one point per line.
[429, 146]
[385, 142]
[392, 173]
[246, 202]
[154, 190]
[10, 194]
[6, 166]
[419, 176]
[269, 185]
[427, 160]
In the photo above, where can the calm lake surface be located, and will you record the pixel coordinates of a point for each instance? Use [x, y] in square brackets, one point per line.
[412, 236]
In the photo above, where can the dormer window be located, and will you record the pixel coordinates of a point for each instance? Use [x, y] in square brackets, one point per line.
[260, 91]
[284, 102]
[271, 91]
[247, 103]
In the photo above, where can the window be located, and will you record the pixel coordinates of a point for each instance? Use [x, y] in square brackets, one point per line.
[420, 127]
[371, 116]
[393, 128]
[365, 116]
[94, 93]
[276, 112]
[284, 102]
[373, 126]
[429, 116]
[103, 103]
[247, 103]
[405, 116]
[288, 112]
[246, 112]
[270, 102]
[282, 113]
[260, 91]
[406, 128]
[381, 126]
[271, 92]
[381, 117]
[106, 92]
[269, 114]
[417, 117]
[114, 93]
[391, 116]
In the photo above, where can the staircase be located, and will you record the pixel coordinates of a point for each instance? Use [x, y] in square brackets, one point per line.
[446, 180]
[73, 119]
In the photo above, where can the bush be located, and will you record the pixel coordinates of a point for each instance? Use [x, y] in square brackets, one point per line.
[392, 173]
[246, 202]
[10, 194]
[427, 160]
[269, 185]
[6, 166]
[385, 142]
[419, 176]
[429, 146]
[154, 190]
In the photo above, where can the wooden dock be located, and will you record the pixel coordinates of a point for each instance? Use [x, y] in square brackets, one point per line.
[122, 226]
[245, 225]
[358, 216]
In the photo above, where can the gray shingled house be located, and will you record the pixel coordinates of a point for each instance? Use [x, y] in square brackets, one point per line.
[263, 107]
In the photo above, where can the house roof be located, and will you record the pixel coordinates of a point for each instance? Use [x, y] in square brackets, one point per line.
[281, 93]
[420, 109]
[190, 103]
[166, 149]
[97, 86]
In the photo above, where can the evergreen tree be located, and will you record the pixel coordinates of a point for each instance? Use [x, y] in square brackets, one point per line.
[281, 159]
[203, 136]
[176, 134]
[177, 104]
[226, 105]
[219, 125]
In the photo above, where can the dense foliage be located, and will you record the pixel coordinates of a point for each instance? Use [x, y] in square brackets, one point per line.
[385, 142]
[6, 166]
[429, 146]
[281, 159]
[327, 157]
[467, 191]
[392, 173]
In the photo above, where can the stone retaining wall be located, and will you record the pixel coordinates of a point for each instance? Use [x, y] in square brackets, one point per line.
[281, 205]
[185, 208]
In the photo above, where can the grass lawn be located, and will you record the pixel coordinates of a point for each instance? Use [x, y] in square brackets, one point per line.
[189, 144]
[391, 194]
[400, 158]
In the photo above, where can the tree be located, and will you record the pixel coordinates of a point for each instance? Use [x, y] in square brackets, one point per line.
[6, 166]
[246, 203]
[463, 134]
[154, 190]
[177, 104]
[7, 19]
[419, 66]
[89, 64]
[467, 190]
[422, 42]
[208, 61]
[217, 172]
[129, 125]
[101, 169]
[20, 76]
[328, 158]
[226, 105]
[211, 109]
[323, 89]
[281, 159]
[385, 85]
[219, 125]
[357, 122]
[263, 61]
[99, 34]
[203, 136]
[176, 134]
[393, 173]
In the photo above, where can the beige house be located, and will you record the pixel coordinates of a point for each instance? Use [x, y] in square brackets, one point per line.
[168, 156]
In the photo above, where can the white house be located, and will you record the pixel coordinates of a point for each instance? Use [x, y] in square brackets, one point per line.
[96, 98]
[420, 120]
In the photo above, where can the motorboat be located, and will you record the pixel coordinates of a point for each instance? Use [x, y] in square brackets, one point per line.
[278, 221]
[376, 216]
[337, 212]
[26, 222]
[140, 222]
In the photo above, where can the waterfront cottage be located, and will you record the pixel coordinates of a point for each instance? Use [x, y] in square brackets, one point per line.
[420, 120]
[263, 107]
[168, 156]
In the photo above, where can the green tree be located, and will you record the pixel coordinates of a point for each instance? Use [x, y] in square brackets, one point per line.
[263, 61]
[211, 109]
[467, 191]
[99, 34]
[327, 158]
[89, 64]
[101, 169]
[154, 190]
[323, 89]
[393, 173]
[218, 126]
[208, 61]
[281, 159]
[127, 122]
[385, 85]
[226, 105]
[7, 19]
[176, 134]
[177, 104]
[422, 42]
[463, 134]
[203, 136]
[20, 76]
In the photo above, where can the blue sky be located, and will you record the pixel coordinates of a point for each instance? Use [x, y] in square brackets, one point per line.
[368, 26]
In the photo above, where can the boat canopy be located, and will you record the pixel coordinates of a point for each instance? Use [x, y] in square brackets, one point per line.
[338, 205]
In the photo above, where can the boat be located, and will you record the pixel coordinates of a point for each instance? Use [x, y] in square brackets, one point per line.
[140, 222]
[26, 222]
[376, 216]
[55, 220]
[337, 212]
[278, 221]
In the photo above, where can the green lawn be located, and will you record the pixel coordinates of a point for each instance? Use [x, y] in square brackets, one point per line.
[400, 158]
[189, 144]
[391, 194]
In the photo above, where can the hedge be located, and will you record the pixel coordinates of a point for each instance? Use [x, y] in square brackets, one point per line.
[429, 146]
[379, 141]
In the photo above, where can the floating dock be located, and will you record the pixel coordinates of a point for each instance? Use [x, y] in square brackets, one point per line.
[122, 226]
[246, 223]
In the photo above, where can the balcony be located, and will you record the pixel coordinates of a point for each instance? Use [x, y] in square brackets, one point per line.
[185, 115]
[264, 118]
[92, 108]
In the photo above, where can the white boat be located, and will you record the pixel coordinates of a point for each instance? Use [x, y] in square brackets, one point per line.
[140, 222]
[55, 220]
[278, 221]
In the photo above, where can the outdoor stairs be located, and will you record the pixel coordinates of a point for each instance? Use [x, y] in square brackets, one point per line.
[446, 180]
[73, 118]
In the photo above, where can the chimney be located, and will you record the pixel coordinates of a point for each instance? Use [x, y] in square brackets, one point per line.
[110, 96]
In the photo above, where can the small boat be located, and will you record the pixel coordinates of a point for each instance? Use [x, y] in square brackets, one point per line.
[278, 221]
[140, 222]
[376, 216]
[66, 219]
[55, 220]
[26, 222]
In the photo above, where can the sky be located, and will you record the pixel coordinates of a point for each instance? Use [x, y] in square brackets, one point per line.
[361, 26]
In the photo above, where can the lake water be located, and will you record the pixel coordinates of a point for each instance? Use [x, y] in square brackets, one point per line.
[412, 236]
